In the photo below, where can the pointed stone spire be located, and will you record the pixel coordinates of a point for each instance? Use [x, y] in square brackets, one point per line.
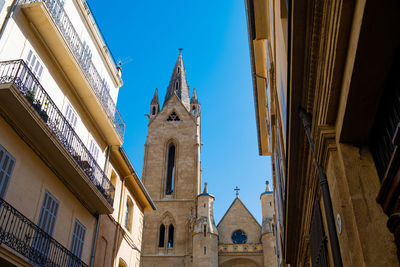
[194, 99]
[154, 105]
[154, 101]
[205, 190]
[178, 84]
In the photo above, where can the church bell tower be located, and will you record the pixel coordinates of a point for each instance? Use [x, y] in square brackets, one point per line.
[171, 173]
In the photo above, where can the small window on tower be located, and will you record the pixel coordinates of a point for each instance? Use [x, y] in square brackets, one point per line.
[194, 110]
[153, 112]
[177, 85]
[173, 117]
[179, 70]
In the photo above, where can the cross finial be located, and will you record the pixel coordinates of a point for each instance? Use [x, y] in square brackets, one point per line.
[180, 50]
[237, 191]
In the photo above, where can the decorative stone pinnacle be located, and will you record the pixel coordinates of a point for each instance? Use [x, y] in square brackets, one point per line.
[205, 190]
[267, 187]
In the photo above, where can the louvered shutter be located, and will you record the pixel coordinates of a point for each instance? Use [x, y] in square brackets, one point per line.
[48, 213]
[78, 239]
[7, 163]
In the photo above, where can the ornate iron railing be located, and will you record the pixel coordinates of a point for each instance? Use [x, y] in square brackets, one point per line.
[22, 235]
[83, 55]
[18, 73]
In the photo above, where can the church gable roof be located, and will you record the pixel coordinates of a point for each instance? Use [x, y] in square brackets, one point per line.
[246, 212]
[238, 217]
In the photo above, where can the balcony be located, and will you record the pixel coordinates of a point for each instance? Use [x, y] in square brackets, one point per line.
[32, 113]
[23, 236]
[56, 29]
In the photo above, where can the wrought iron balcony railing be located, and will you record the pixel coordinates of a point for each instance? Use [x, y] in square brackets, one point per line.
[18, 73]
[83, 55]
[23, 236]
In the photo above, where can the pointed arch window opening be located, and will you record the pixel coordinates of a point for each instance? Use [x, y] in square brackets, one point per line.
[194, 110]
[153, 112]
[161, 237]
[169, 190]
[179, 70]
[177, 85]
[170, 236]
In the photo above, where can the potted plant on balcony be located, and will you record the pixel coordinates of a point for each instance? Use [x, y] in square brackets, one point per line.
[43, 112]
[30, 95]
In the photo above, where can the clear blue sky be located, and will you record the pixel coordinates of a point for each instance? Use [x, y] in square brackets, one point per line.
[216, 57]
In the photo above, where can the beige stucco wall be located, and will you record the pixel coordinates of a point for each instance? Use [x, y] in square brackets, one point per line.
[30, 179]
[115, 242]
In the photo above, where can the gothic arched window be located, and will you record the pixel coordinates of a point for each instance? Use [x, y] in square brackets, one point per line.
[194, 110]
[239, 237]
[177, 85]
[161, 236]
[170, 170]
[153, 112]
[170, 236]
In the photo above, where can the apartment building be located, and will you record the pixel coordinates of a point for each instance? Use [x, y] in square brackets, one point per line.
[119, 241]
[267, 23]
[59, 126]
[331, 82]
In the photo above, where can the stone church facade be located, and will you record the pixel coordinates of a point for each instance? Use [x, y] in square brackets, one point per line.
[182, 231]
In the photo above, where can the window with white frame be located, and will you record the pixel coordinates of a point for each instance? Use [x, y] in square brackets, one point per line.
[128, 214]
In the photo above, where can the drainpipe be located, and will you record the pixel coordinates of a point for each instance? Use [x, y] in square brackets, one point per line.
[326, 196]
[95, 240]
[10, 12]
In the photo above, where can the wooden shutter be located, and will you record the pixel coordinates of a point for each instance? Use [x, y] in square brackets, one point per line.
[48, 213]
[7, 163]
[78, 239]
